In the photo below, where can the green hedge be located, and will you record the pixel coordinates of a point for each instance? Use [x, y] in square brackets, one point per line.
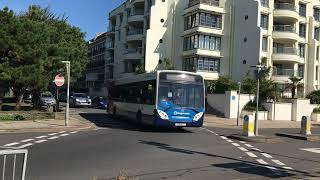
[21, 116]
[12, 117]
[314, 97]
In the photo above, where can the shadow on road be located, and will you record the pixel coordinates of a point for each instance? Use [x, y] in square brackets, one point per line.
[240, 165]
[107, 121]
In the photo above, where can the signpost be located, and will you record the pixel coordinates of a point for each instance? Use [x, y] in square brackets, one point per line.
[59, 81]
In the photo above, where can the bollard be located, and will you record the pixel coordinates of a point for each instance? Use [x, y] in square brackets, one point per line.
[248, 126]
[305, 125]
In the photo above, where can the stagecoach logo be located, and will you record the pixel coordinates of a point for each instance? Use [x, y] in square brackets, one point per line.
[181, 113]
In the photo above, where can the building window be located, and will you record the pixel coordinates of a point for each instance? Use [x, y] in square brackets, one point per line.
[302, 30]
[121, 19]
[201, 41]
[302, 50]
[264, 21]
[201, 64]
[265, 3]
[317, 73]
[318, 51]
[302, 9]
[316, 33]
[316, 14]
[301, 71]
[203, 19]
[264, 44]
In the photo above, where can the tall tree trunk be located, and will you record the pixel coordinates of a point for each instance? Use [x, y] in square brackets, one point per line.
[19, 101]
[1, 97]
[293, 92]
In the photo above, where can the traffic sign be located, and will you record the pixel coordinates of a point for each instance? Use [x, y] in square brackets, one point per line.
[59, 80]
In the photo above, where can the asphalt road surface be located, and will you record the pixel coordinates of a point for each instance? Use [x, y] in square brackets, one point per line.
[144, 153]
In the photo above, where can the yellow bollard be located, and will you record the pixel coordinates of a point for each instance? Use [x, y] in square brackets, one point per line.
[248, 126]
[305, 125]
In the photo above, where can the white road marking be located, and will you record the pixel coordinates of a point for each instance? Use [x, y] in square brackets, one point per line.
[261, 161]
[290, 168]
[223, 137]
[53, 137]
[230, 141]
[12, 144]
[243, 149]
[251, 154]
[266, 155]
[73, 132]
[64, 135]
[26, 145]
[62, 132]
[314, 150]
[41, 141]
[248, 145]
[278, 162]
[52, 134]
[27, 140]
[271, 167]
[211, 132]
[39, 137]
[242, 142]
[235, 144]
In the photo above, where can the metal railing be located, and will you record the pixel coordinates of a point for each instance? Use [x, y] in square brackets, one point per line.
[135, 32]
[285, 50]
[137, 13]
[284, 28]
[207, 2]
[133, 50]
[285, 6]
[14, 163]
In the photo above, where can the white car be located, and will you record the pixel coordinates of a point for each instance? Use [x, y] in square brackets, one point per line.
[47, 99]
[80, 100]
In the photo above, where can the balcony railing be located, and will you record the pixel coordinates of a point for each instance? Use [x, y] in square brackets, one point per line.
[265, 3]
[284, 28]
[284, 72]
[133, 50]
[135, 32]
[137, 13]
[285, 50]
[285, 6]
[207, 2]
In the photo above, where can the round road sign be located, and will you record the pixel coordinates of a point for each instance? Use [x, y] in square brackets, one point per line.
[59, 80]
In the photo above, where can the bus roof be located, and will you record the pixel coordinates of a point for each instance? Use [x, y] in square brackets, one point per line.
[147, 76]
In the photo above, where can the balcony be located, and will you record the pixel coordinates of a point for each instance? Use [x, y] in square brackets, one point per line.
[207, 5]
[109, 46]
[202, 52]
[135, 35]
[286, 11]
[286, 54]
[111, 31]
[136, 16]
[281, 75]
[205, 27]
[265, 3]
[206, 2]
[285, 33]
[133, 53]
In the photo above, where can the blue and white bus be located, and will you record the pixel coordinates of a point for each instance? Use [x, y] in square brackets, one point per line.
[161, 98]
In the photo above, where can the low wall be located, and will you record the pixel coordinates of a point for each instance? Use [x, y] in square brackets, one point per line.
[262, 115]
[301, 107]
[279, 111]
[228, 103]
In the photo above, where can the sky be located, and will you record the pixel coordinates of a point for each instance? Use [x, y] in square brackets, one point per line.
[90, 15]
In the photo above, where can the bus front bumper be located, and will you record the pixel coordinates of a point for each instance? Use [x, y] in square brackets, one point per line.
[167, 123]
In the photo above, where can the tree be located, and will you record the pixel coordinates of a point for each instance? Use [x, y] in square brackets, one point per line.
[32, 46]
[314, 97]
[223, 84]
[295, 82]
[248, 85]
[168, 64]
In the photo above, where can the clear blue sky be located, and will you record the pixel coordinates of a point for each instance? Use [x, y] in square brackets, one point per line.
[90, 15]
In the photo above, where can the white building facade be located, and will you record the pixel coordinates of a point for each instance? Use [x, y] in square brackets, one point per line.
[218, 37]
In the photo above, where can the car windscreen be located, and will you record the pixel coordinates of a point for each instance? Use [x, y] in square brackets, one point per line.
[80, 95]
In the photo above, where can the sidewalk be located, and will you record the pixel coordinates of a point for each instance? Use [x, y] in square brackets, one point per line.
[50, 125]
[214, 121]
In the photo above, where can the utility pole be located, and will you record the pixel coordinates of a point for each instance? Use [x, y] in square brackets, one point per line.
[68, 92]
[238, 116]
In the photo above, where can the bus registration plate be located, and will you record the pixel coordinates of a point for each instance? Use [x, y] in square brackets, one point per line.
[180, 124]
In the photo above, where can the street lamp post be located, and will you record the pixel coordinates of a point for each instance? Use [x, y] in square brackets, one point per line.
[238, 116]
[68, 92]
[259, 67]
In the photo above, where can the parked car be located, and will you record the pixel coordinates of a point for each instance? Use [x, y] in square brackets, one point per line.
[80, 100]
[27, 97]
[100, 102]
[47, 99]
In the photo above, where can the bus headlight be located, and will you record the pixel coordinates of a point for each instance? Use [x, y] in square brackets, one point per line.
[163, 115]
[198, 116]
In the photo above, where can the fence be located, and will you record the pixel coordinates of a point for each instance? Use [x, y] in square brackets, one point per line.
[13, 163]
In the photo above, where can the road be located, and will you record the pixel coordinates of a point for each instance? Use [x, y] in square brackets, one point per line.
[143, 153]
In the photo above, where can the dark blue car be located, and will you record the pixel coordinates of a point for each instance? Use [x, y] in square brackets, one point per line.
[100, 102]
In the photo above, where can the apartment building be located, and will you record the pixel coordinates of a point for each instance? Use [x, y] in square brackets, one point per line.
[218, 37]
[99, 70]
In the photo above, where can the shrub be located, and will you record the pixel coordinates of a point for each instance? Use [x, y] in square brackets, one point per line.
[19, 118]
[251, 106]
[222, 85]
[316, 110]
[314, 97]
[12, 117]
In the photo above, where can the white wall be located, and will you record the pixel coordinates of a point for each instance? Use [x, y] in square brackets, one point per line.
[301, 107]
[228, 103]
[282, 111]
